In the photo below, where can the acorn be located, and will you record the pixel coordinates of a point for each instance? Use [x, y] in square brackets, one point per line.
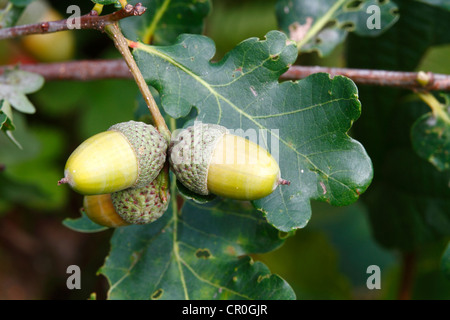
[100, 209]
[207, 159]
[128, 155]
[130, 206]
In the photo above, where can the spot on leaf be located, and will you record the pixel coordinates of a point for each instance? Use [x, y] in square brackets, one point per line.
[157, 294]
[203, 253]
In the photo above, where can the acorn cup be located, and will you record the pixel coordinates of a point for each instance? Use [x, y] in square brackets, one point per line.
[128, 155]
[207, 159]
[141, 205]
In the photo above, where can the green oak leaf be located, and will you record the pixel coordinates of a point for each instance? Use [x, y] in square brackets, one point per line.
[323, 24]
[197, 253]
[83, 224]
[164, 20]
[304, 124]
[430, 136]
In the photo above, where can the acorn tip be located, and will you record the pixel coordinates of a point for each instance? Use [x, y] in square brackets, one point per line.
[63, 181]
[283, 181]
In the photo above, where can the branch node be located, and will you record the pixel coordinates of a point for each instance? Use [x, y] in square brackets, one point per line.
[45, 26]
[128, 8]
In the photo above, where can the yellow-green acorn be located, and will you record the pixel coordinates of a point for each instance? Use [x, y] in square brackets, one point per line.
[207, 159]
[130, 206]
[100, 209]
[128, 154]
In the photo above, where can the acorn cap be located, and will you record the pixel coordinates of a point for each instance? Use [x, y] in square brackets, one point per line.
[190, 153]
[149, 146]
[142, 205]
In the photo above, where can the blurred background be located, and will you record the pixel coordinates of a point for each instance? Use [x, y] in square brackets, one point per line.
[326, 260]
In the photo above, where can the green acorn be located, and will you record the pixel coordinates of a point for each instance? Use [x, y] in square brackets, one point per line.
[207, 159]
[128, 155]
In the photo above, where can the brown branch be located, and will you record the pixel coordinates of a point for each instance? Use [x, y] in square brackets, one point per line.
[407, 80]
[88, 21]
[84, 70]
[106, 69]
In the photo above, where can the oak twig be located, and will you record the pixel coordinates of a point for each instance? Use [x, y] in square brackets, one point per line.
[86, 70]
[88, 21]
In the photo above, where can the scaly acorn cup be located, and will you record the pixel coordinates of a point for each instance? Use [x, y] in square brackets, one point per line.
[128, 154]
[145, 204]
[207, 159]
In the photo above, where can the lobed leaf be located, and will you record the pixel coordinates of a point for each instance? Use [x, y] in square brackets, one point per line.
[195, 254]
[431, 140]
[304, 124]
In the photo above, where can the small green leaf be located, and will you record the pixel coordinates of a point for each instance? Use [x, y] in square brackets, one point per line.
[6, 116]
[6, 122]
[164, 20]
[196, 253]
[23, 81]
[20, 102]
[323, 24]
[83, 224]
[10, 135]
[431, 140]
[15, 84]
[188, 194]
